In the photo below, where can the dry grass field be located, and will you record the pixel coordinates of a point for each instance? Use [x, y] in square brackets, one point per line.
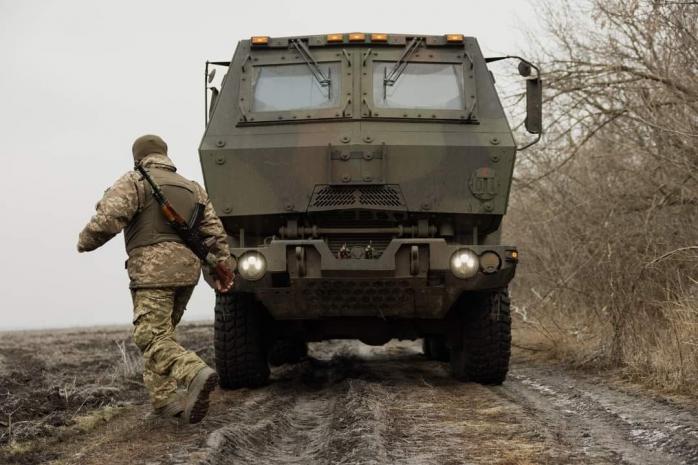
[58, 384]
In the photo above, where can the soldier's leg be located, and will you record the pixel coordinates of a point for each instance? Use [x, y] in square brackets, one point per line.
[196, 402]
[181, 299]
[161, 389]
[153, 333]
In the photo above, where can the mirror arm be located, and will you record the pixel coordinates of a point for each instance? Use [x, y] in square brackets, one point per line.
[516, 57]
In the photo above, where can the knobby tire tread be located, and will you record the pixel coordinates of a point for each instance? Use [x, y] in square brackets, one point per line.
[486, 343]
[240, 355]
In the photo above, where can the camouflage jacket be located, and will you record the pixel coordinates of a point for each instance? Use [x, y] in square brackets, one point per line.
[159, 265]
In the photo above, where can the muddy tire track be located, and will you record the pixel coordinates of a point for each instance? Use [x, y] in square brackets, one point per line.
[333, 421]
[353, 404]
[604, 424]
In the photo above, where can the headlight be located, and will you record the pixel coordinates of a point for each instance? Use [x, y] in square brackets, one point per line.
[252, 266]
[464, 264]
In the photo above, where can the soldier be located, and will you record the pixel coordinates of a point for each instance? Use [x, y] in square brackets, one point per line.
[163, 272]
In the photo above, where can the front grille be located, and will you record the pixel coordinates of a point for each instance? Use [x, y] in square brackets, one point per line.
[379, 243]
[374, 196]
[338, 296]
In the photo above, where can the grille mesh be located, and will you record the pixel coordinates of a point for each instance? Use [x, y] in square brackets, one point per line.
[336, 296]
[384, 196]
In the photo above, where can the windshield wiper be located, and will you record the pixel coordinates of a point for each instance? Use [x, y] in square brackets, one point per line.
[315, 70]
[390, 78]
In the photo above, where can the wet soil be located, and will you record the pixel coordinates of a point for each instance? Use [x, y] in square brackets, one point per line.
[52, 381]
[353, 404]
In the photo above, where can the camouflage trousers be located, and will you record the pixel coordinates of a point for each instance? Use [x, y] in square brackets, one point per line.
[156, 313]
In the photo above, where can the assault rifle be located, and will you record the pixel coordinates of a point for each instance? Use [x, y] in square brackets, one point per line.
[189, 231]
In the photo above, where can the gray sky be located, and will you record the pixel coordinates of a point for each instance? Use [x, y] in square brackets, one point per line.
[81, 79]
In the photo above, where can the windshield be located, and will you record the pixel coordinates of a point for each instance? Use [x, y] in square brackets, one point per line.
[294, 87]
[437, 86]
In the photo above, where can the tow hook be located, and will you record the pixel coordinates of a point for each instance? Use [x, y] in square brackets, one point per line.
[356, 252]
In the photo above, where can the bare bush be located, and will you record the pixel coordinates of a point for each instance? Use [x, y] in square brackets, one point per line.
[605, 211]
[131, 362]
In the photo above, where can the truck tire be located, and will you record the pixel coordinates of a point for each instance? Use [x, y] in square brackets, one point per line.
[483, 355]
[287, 351]
[435, 348]
[241, 359]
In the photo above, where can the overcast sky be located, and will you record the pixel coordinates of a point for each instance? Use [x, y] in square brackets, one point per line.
[79, 80]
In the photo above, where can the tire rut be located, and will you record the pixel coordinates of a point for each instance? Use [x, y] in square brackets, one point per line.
[354, 404]
[316, 416]
[601, 424]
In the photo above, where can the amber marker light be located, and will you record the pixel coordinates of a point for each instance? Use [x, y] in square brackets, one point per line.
[335, 38]
[454, 38]
[357, 37]
[379, 37]
[260, 40]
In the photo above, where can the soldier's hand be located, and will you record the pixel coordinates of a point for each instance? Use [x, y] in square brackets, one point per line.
[223, 275]
[224, 288]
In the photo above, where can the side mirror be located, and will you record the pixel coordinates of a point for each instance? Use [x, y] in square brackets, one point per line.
[534, 96]
[534, 105]
[208, 78]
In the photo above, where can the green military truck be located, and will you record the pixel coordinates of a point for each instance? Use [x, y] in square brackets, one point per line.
[362, 179]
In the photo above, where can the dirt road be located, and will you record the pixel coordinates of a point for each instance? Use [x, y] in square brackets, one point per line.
[354, 404]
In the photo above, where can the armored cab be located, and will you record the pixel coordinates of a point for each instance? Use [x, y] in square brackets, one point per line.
[362, 179]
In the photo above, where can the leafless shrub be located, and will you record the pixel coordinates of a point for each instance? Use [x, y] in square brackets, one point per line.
[605, 211]
[131, 362]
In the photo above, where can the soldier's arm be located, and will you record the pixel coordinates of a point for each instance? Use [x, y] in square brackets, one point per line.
[211, 227]
[116, 209]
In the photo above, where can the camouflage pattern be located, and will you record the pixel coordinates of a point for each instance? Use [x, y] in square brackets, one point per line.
[162, 275]
[165, 264]
[297, 182]
[156, 313]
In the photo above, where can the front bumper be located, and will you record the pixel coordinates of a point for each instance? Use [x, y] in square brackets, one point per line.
[411, 279]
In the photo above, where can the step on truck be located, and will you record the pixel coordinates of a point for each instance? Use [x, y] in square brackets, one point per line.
[362, 179]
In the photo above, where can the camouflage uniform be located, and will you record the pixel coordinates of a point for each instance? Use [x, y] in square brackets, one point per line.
[162, 275]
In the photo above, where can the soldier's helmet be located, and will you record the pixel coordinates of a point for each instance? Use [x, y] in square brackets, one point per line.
[145, 145]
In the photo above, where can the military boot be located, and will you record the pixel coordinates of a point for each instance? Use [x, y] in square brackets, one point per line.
[171, 411]
[196, 401]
